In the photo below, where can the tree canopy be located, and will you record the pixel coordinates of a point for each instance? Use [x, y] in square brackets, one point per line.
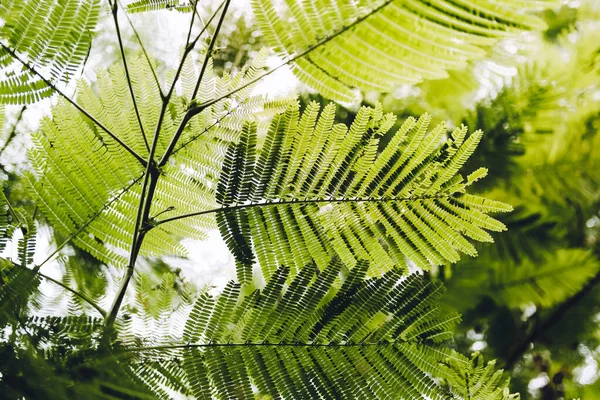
[407, 192]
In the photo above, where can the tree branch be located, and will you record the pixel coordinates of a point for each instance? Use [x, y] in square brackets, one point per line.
[299, 55]
[73, 103]
[115, 11]
[189, 114]
[198, 109]
[151, 176]
[137, 36]
[209, 50]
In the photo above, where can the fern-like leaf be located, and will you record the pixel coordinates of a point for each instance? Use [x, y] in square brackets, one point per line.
[479, 381]
[88, 187]
[559, 275]
[317, 189]
[373, 338]
[53, 37]
[378, 45]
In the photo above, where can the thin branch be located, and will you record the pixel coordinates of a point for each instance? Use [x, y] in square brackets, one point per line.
[297, 56]
[74, 104]
[197, 136]
[209, 50]
[82, 110]
[257, 344]
[13, 131]
[76, 293]
[210, 20]
[88, 222]
[115, 12]
[189, 35]
[59, 283]
[186, 118]
[149, 185]
[190, 113]
[151, 175]
[297, 202]
[198, 109]
[189, 47]
[187, 50]
[137, 36]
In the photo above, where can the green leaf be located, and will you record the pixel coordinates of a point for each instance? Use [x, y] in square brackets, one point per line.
[53, 36]
[317, 190]
[556, 277]
[301, 341]
[479, 381]
[378, 45]
[87, 186]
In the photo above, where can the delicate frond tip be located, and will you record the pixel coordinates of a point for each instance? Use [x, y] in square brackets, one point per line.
[378, 45]
[375, 338]
[52, 36]
[316, 189]
[476, 380]
[88, 187]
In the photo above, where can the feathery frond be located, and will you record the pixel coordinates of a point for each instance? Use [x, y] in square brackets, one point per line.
[377, 45]
[17, 282]
[478, 381]
[53, 37]
[88, 187]
[316, 189]
[373, 338]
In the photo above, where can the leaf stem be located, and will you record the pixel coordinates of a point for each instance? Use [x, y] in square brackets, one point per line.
[88, 222]
[257, 344]
[299, 55]
[85, 298]
[297, 202]
[76, 293]
[74, 104]
[209, 50]
[115, 12]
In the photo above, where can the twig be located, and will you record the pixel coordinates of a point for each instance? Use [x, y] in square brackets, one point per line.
[211, 45]
[137, 36]
[297, 56]
[76, 293]
[151, 175]
[115, 11]
[74, 104]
